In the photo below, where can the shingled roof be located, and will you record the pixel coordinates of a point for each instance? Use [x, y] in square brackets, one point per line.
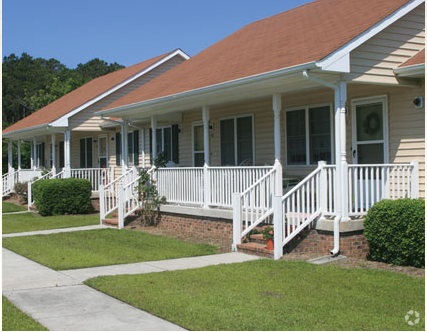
[82, 95]
[301, 35]
[417, 59]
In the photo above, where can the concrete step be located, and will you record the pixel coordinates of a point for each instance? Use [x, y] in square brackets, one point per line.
[257, 249]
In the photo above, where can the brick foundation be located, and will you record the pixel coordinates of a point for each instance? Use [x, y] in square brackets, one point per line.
[352, 244]
[203, 226]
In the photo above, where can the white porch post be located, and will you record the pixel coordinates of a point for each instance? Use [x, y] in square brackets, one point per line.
[34, 153]
[125, 129]
[67, 153]
[414, 180]
[154, 138]
[9, 156]
[205, 117]
[19, 154]
[277, 108]
[341, 196]
[53, 139]
[278, 226]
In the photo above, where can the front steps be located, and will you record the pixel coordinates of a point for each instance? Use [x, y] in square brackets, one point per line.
[257, 246]
[111, 222]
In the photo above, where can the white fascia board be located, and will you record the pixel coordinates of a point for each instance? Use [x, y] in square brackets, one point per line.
[408, 71]
[336, 61]
[63, 121]
[209, 89]
[24, 130]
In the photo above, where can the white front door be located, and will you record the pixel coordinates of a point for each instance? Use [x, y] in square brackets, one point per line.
[370, 131]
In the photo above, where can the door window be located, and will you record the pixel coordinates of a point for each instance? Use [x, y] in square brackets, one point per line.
[102, 151]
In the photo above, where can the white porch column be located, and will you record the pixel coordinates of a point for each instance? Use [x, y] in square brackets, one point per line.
[154, 137]
[340, 150]
[125, 129]
[67, 153]
[277, 108]
[34, 153]
[9, 156]
[205, 117]
[53, 139]
[19, 154]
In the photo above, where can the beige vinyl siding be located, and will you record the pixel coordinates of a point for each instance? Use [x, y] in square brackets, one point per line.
[87, 121]
[375, 60]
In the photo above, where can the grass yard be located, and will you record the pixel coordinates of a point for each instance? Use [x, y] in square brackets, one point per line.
[26, 222]
[81, 249]
[273, 295]
[14, 319]
[7, 207]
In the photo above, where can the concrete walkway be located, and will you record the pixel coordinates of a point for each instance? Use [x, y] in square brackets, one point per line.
[17, 212]
[59, 301]
[58, 230]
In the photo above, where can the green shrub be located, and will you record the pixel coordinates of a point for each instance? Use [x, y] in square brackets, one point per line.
[21, 190]
[395, 232]
[62, 196]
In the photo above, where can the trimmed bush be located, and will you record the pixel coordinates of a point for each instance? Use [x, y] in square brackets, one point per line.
[395, 232]
[62, 196]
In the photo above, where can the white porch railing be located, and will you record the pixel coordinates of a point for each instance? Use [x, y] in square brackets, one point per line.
[8, 182]
[181, 185]
[108, 194]
[97, 176]
[224, 181]
[369, 184]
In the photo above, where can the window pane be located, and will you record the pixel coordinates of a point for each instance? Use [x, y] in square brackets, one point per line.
[130, 148]
[167, 143]
[227, 142]
[244, 141]
[102, 146]
[320, 134]
[159, 140]
[198, 138]
[199, 159]
[295, 134]
[369, 120]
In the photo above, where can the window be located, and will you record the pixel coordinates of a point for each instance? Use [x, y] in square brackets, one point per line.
[167, 142]
[198, 146]
[308, 135]
[40, 155]
[237, 141]
[86, 152]
[133, 148]
[61, 155]
[102, 151]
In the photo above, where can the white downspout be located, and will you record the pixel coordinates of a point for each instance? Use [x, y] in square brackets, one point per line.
[338, 218]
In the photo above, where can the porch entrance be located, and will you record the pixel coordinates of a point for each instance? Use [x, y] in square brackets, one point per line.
[369, 131]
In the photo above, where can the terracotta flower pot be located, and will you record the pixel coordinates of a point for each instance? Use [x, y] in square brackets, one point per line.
[270, 244]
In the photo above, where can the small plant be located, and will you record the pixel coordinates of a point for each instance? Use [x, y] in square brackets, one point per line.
[160, 161]
[149, 199]
[21, 189]
[248, 236]
[267, 232]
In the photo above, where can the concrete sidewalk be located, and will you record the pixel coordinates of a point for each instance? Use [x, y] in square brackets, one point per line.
[57, 230]
[59, 301]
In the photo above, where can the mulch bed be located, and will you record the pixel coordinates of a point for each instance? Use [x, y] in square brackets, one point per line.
[224, 245]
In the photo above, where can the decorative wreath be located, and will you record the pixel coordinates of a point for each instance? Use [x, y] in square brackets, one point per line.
[372, 124]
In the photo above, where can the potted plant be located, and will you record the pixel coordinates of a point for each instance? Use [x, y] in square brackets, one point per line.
[268, 234]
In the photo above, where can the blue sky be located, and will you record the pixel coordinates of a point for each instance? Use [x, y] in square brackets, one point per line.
[125, 31]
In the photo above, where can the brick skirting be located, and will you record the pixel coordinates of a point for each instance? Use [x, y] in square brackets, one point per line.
[352, 244]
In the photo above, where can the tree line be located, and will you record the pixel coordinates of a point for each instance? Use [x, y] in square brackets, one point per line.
[31, 83]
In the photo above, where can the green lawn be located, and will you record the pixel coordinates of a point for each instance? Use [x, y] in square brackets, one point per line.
[102, 247]
[10, 207]
[26, 222]
[14, 319]
[273, 295]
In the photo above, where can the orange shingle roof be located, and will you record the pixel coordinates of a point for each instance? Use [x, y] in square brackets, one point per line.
[417, 59]
[303, 34]
[81, 95]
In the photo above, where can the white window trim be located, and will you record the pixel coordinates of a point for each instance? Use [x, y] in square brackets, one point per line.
[307, 133]
[195, 124]
[85, 138]
[363, 101]
[235, 117]
[99, 149]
